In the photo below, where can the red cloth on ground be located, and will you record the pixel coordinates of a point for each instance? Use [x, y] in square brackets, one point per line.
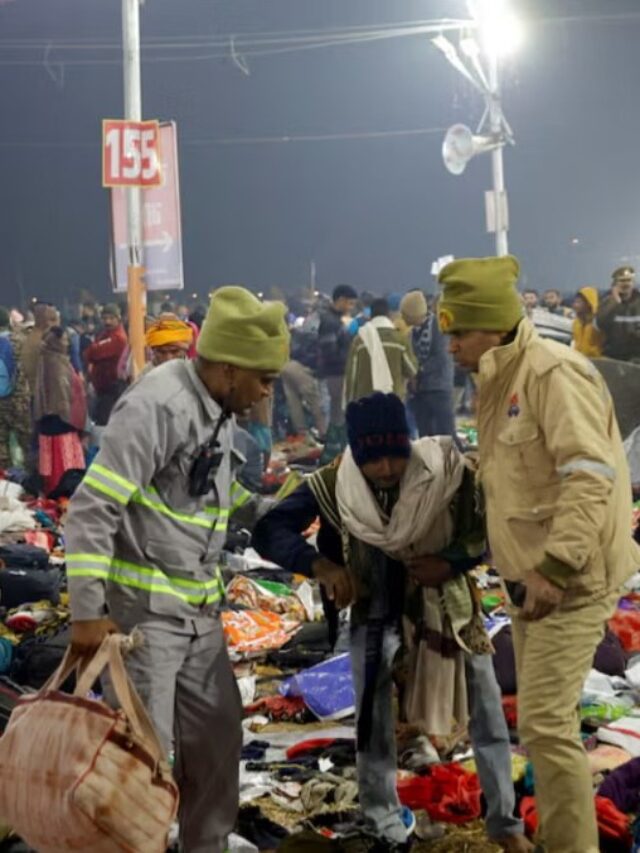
[447, 793]
[510, 709]
[58, 454]
[612, 823]
[307, 745]
[625, 624]
[279, 708]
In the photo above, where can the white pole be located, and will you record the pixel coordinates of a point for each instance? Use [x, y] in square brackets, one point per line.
[497, 163]
[133, 112]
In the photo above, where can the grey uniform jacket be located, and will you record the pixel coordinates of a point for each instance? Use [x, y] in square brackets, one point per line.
[139, 547]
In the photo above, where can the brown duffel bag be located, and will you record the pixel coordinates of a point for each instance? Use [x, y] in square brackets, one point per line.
[77, 775]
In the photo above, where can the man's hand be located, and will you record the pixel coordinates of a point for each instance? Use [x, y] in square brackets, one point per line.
[87, 637]
[615, 292]
[429, 570]
[336, 581]
[542, 597]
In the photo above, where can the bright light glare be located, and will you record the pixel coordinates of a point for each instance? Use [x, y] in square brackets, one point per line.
[500, 30]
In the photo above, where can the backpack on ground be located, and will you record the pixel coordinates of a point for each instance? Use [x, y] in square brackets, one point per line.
[8, 367]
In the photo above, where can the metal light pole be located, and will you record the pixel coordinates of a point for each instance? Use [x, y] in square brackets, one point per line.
[501, 210]
[492, 31]
[136, 294]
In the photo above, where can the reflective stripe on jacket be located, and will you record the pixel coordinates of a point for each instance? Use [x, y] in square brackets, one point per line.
[552, 466]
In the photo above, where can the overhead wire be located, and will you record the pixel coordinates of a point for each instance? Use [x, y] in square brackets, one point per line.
[251, 140]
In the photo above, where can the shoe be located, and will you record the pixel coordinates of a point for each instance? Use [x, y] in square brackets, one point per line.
[409, 820]
[516, 844]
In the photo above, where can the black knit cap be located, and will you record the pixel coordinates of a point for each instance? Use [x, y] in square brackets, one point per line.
[376, 427]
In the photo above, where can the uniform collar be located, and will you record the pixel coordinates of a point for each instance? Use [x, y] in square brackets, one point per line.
[210, 406]
[497, 360]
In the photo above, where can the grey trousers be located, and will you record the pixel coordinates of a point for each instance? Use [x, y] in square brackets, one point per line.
[377, 767]
[335, 385]
[301, 388]
[187, 685]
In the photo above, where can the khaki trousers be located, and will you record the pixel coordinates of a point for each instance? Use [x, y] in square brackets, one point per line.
[553, 658]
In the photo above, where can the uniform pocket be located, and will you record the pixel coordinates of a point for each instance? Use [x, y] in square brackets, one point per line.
[522, 450]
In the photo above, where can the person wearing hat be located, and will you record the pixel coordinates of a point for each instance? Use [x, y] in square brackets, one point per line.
[587, 338]
[144, 534]
[619, 317]
[558, 498]
[102, 358]
[432, 398]
[386, 510]
[168, 338]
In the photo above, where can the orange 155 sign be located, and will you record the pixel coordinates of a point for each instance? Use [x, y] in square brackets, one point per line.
[131, 153]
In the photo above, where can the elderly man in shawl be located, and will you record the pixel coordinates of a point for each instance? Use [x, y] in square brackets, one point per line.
[399, 532]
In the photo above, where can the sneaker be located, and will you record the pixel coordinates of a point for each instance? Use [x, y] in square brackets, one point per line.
[409, 820]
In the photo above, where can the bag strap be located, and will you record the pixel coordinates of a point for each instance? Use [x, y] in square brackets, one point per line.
[93, 669]
[130, 701]
[110, 654]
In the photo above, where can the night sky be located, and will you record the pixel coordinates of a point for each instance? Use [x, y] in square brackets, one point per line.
[373, 212]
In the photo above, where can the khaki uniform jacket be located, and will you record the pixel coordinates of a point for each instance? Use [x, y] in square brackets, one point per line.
[553, 468]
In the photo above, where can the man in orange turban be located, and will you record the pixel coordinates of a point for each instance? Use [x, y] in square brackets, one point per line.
[168, 338]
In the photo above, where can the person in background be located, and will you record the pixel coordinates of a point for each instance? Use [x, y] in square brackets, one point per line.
[380, 358]
[552, 302]
[45, 316]
[168, 338]
[618, 317]
[393, 301]
[60, 411]
[197, 315]
[364, 315]
[530, 300]
[102, 358]
[587, 338]
[74, 329]
[385, 510]
[432, 397]
[301, 388]
[333, 350]
[558, 495]
[15, 397]
[182, 313]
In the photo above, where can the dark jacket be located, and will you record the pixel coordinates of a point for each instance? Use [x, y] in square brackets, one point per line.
[620, 323]
[436, 369]
[333, 344]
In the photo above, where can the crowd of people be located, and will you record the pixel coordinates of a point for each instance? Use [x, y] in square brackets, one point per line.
[158, 467]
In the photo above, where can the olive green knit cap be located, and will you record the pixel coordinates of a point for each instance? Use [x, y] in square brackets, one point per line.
[241, 330]
[480, 294]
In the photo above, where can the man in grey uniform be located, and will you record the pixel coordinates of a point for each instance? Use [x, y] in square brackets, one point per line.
[144, 534]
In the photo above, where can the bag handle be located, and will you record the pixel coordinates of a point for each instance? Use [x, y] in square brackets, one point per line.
[110, 654]
[130, 701]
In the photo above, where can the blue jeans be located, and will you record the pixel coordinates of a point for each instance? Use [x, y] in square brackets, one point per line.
[377, 767]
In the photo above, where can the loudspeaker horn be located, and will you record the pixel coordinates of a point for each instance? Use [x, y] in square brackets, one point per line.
[460, 145]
